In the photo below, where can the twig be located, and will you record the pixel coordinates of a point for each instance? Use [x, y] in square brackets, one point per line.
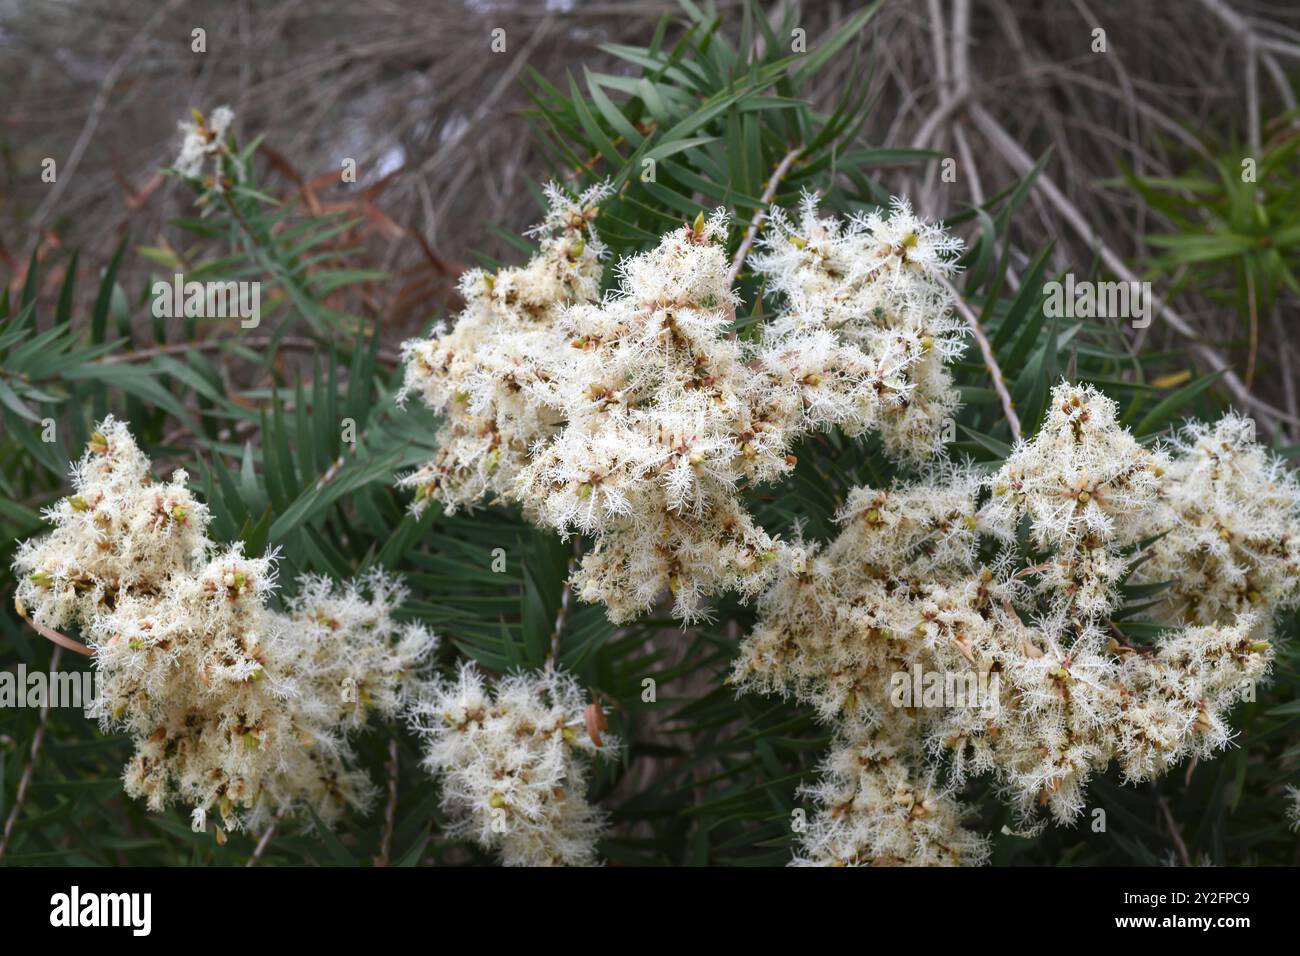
[267, 836]
[26, 779]
[1254, 327]
[1238, 25]
[1285, 364]
[961, 46]
[986, 349]
[106, 89]
[768, 195]
[390, 812]
[298, 342]
[1173, 831]
[562, 616]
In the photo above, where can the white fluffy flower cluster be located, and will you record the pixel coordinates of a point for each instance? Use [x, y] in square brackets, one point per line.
[1089, 491]
[230, 704]
[489, 376]
[1233, 509]
[874, 809]
[664, 419]
[204, 140]
[513, 761]
[1025, 676]
[640, 419]
[877, 284]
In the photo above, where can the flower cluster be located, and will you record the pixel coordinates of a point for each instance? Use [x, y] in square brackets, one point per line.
[661, 426]
[204, 140]
[875, 810]
[640, 419]
[1033, 682]
[513, 761]
[1089, 491]
[230, 704]
[879, 284]
[1232, 508]
[488, 376]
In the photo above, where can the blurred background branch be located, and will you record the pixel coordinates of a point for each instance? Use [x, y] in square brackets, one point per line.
[413, 92]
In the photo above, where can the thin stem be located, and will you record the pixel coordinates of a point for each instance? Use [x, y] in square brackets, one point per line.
[1254, 325]
[390, 812]
[267, 836]
[991, 362]
[1183, 855]
[562, 616]
[768, 195]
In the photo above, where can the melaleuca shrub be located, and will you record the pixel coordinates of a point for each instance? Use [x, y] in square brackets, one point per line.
[646, 420]
[231, 705]
[634, 412]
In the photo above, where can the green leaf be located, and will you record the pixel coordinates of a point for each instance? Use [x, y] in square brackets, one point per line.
[1171, 405]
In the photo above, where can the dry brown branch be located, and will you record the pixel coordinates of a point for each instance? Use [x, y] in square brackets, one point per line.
[1002, 141]
[1174, 832]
